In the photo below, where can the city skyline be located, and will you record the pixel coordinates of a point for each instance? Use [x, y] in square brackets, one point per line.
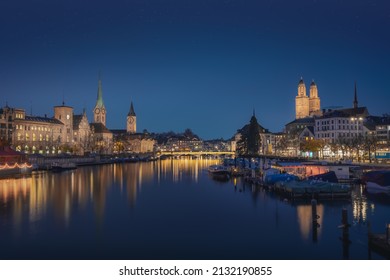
[202, 65]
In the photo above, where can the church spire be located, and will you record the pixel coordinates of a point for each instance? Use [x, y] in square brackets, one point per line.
[99, 112]
[355, 101]
[131, 112]
[99, 100]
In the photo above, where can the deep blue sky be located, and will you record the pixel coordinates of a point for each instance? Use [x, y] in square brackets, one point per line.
[202, 64]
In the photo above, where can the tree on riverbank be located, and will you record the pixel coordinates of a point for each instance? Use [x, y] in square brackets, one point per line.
[250, 141]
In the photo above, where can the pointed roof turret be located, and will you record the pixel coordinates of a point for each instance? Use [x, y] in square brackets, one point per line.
[99, 101]
[131, 112]
[355, 101]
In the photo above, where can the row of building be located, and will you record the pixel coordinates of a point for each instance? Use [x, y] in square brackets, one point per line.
[332, 126]
[67, 132]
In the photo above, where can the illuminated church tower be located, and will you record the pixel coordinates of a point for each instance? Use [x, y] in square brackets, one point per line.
[131, 120]
[99, 112]
[314, 100]
[302, 105]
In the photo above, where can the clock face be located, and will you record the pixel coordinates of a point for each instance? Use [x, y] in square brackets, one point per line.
[97, 111]
[103, 111]
[131, 120]
[67, 117]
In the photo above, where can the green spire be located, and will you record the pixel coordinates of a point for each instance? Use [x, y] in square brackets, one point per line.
[99, 101]
[131, 112]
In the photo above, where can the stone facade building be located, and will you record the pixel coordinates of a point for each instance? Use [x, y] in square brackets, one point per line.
[81, 134]
[306, 106]
[342, 123]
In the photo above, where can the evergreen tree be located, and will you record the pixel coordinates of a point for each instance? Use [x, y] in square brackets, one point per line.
[253, 137]
[250, 141]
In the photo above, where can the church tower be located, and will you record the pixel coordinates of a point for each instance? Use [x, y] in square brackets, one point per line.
[65, 115]
[131, 120]
[301, 102]
[99, 112]
[314, 100]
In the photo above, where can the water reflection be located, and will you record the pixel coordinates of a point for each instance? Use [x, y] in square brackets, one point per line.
[304, 214]
[172, 209]
[75, 190]
[360, 205]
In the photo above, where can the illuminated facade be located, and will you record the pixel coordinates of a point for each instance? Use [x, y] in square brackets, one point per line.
[33, 134]
[342, 123]
[139, 143]
[314, 100]
[81, 134]
[65, 115]
[306, 106]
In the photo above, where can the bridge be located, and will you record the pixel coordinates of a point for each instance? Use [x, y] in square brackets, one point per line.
[191, 153]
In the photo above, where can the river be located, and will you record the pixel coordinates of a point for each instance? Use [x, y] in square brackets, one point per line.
[172, 209]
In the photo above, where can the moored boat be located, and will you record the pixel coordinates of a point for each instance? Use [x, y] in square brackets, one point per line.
[219, 171]
[13, 163]
[58, 167]
[377, 181]
[15, 169]
[313, 188]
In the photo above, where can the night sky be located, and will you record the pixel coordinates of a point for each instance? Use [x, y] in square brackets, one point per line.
[199, 64]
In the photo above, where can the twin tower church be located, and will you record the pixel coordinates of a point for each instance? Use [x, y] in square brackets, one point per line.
[306, 106]
[100, 113]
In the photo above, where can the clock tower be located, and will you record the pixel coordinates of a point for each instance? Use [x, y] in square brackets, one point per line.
[131, 126]
[99, 112]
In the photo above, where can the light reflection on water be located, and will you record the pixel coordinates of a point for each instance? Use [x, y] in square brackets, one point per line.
[32, 195]
[171, 204]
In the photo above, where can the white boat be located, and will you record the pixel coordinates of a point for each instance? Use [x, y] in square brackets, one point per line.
[377, 181]
[375, 188]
